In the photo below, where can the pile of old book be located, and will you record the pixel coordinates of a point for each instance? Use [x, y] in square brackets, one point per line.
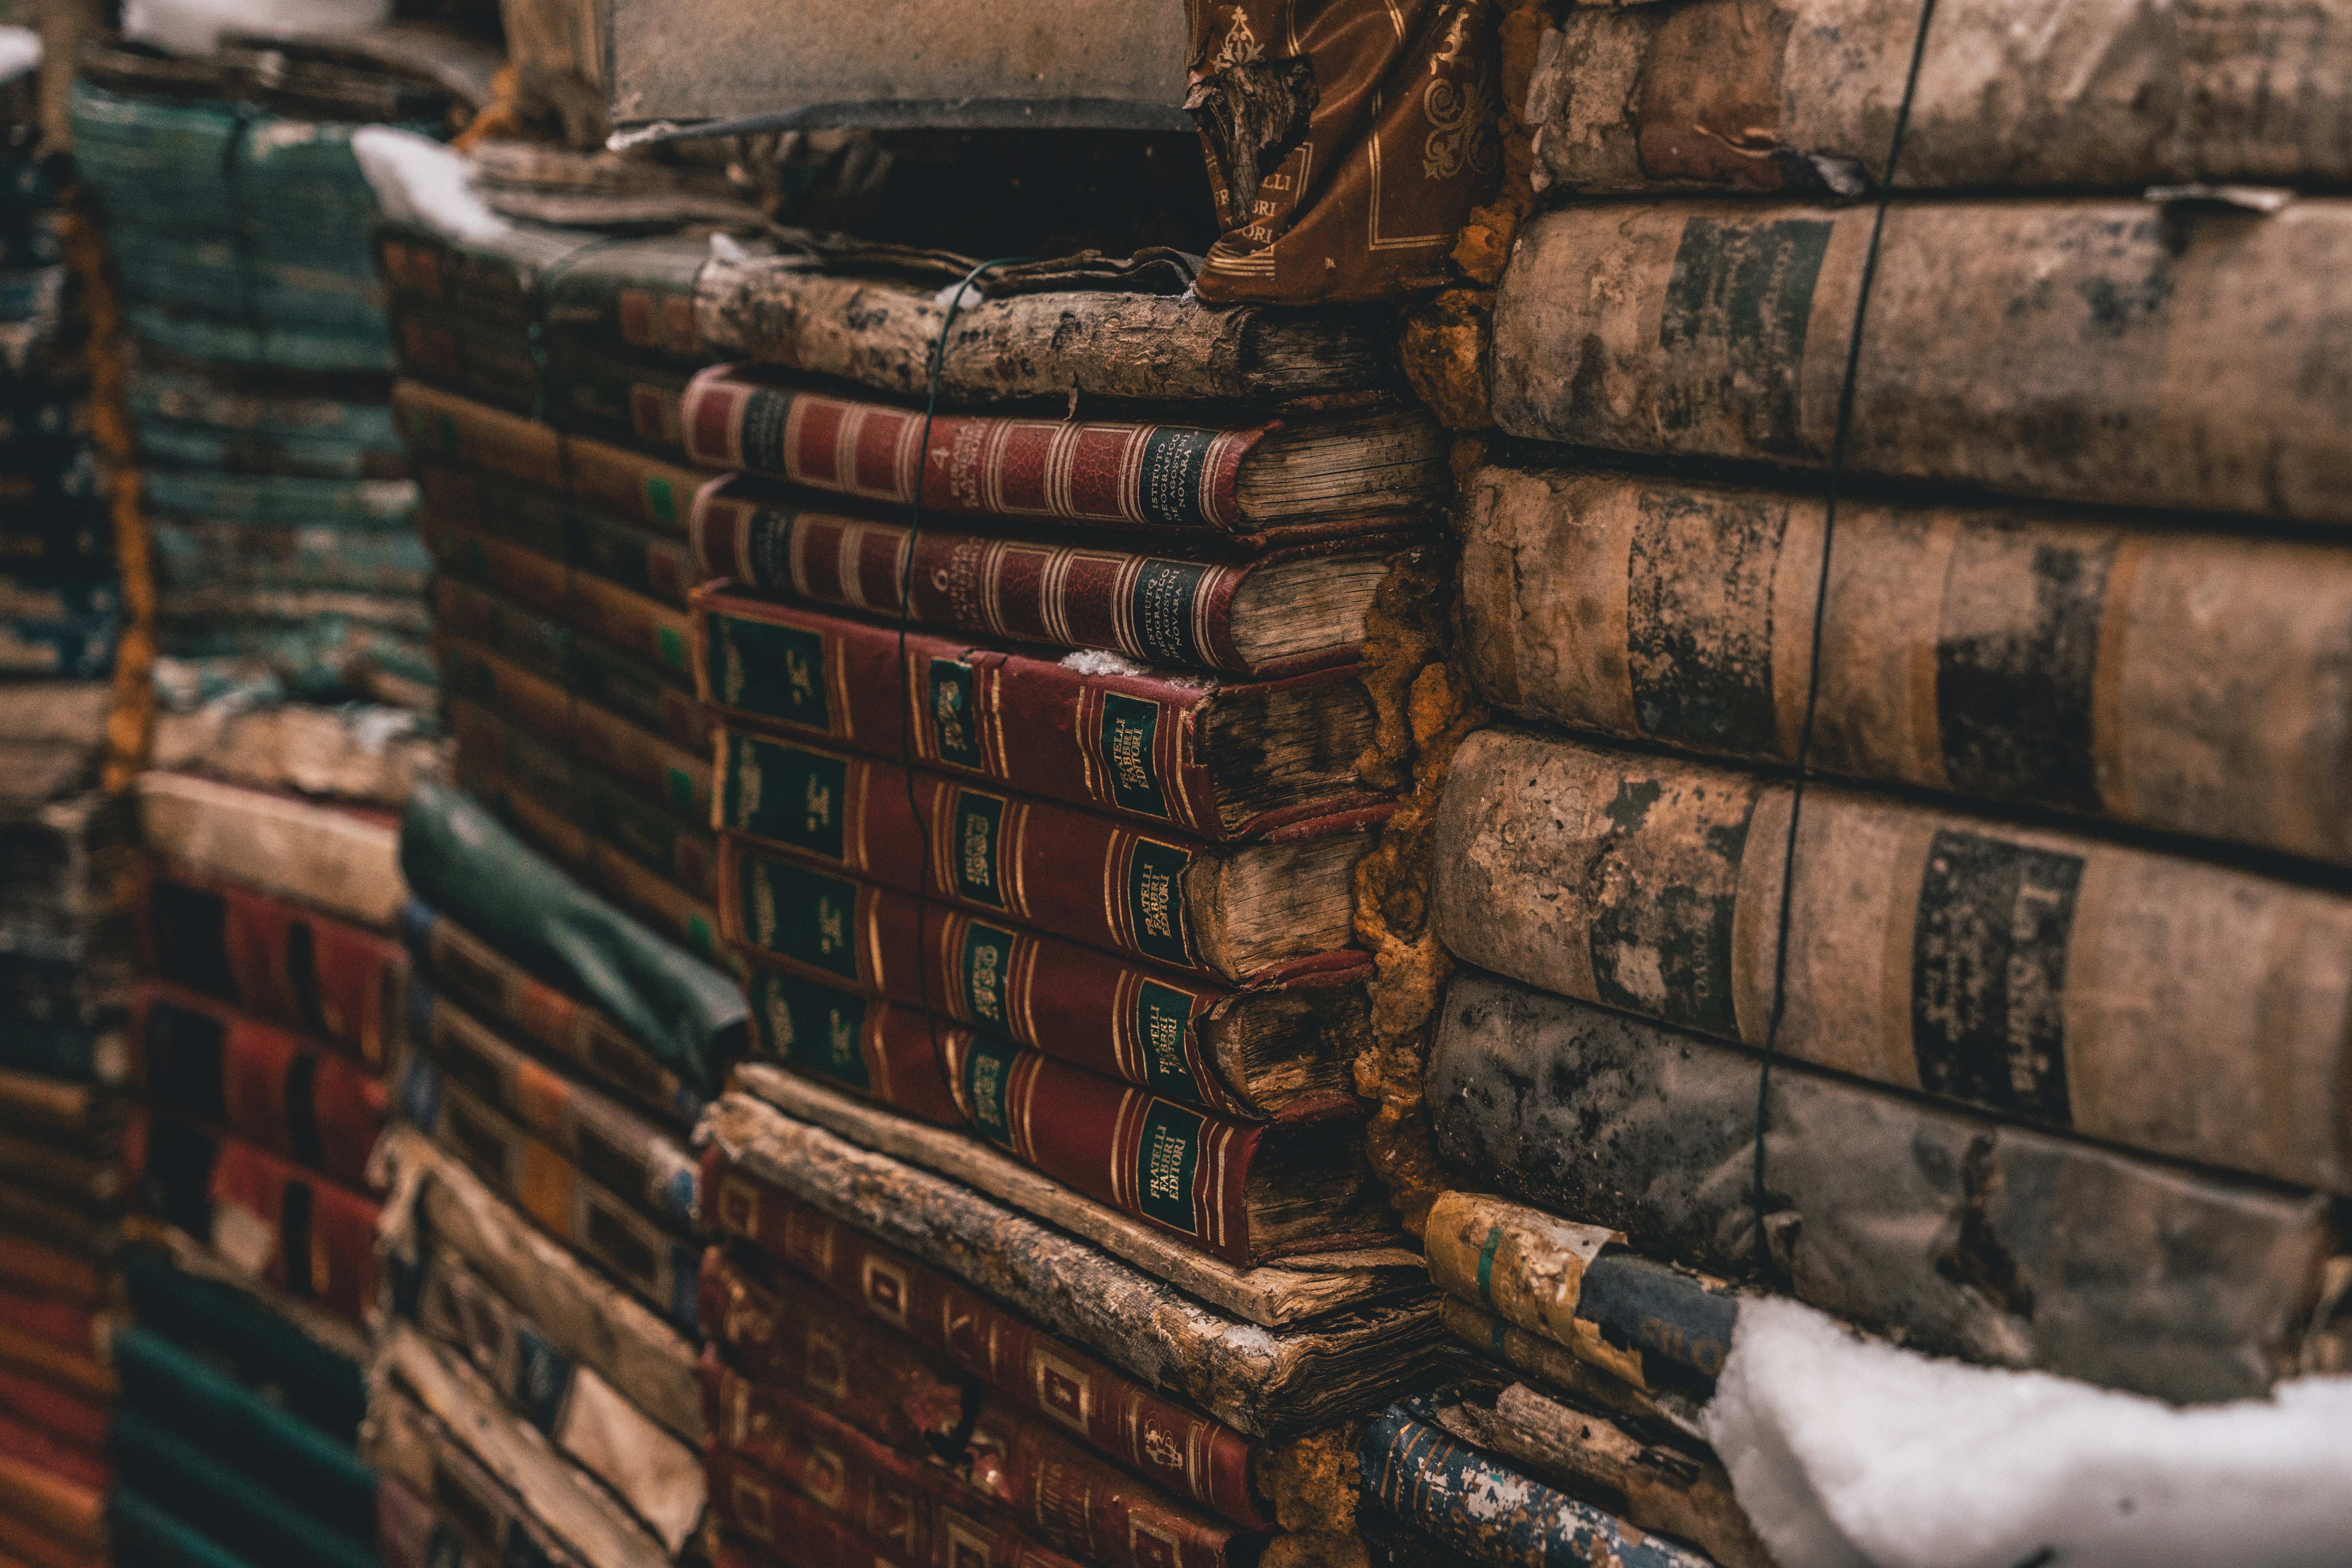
[532, 1397]
[1047, 1224]
[282, 519]
[2048, 947]
[64, 944]
[267, 1005]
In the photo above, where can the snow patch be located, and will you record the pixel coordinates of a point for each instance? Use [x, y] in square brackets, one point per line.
[417, 180]
[1851, 1453]
[195, 27]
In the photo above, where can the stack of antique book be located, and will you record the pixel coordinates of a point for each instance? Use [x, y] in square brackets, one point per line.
[282, 519]
[2048, 947]
[259, 1035]
[64, 948]
[533, 1395]
[1044, 889]
[556, 504]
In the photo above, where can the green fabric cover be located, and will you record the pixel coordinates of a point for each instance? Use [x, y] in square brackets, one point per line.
[276, 1455]
[207, 1486]
[462, 862]
[208, 1318]
[153, 1537]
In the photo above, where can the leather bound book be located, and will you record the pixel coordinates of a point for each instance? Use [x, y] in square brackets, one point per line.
[269, 1218]
[1188, 1454]
[611, 1144]
[475, 626]
[478, 977]
[1248, 1194]
[772, 1512]
[868, 1047]
[1215, 758]
[1276, 613]
[1263, 1052]
[654, 633]
[1255, 484]
[589, 539]
[337, 859]
[923, 1511]
[1237, 911]
[262, 1083]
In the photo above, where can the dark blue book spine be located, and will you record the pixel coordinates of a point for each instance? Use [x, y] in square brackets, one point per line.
[1417, 1476]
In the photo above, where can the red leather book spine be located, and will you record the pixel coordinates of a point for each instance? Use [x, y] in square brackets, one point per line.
[1124, 742]
[1134, 1022]
[298, 1232]
[1099, 473]
[921, 1508]
[54, 1319]
[1189, 1455]
[777, 1328]
[69, 1417]
[870, 1049]
[1088, 1507]
[25, 1262]
[653, 633]
[275, 960]
[1164, 612]
[263, 1084]
[20, 1438]
[1176, 1168]
[1058, 870]
[825, 1514]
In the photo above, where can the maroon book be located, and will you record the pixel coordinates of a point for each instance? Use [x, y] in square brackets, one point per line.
[1064, 872]
[1189, 1455]
[264, 1084]
[781, 1332]
[273, 959]
[858, 1508]
[1183, 749]
[1140, 1023]
[1163, 610]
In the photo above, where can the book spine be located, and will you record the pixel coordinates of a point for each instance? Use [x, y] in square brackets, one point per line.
[648, 1258]
[28, 1442]
[1129, 744]
[778, 1329]
[465, 864]
[1164, 612]
[644, 563]
[343, 862]
[588, 824]
[620, 400]
[440, 424]
[656, 634]
[1133, 1023]
[28, 1263]
[269, 1218]
[69, 1417]
[1090, 1508]
[475, 626]
[2122, 1004]
[871, 1049]
[1187, 1454]
[586, 1316]
[1805, 93]
[65, 1509]
[80, 1053]
[1417, 1475]
[260, 1083]
[1648, 346]
[1554, 1364]
[485, 982]
[2003, 655]
[633, 486]
[1102, 475]
[923, 1508]
[477, 1521]
[847, 1519]
[1567, 1281]
[610, 1145]
[67, 1324]
[2225, 1270]
[1062, 872]
[658, 1476]
[1170, 1166]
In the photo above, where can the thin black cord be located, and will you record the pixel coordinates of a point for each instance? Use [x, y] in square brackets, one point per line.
[906, 615]
[1821, 606]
